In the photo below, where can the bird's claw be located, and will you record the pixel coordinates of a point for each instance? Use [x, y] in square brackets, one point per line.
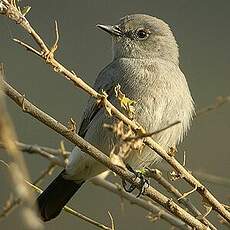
[140, 176]
[127, 189]
[144, 183]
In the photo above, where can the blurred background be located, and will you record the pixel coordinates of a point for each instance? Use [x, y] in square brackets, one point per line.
[202, 30]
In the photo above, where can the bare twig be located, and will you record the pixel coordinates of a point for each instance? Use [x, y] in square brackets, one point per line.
[54, 156]
[12, 202]
[112, 221]
[157, 175]
[227, 206]
[74, 212]
[221, 100]
[147, 205]
[39, 149]
[143, 135]
[28, 47]
[85, 218]
[187, 194]
[212, 178]
[47, 172]
[209, 209]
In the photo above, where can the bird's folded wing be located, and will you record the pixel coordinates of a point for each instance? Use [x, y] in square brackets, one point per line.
[105, 81]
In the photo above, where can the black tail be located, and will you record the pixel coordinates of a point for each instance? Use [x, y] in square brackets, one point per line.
[55, 197]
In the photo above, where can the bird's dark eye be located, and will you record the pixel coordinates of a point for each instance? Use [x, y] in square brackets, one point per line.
[142, 34]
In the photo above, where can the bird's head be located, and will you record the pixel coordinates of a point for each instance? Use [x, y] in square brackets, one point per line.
[142, 36]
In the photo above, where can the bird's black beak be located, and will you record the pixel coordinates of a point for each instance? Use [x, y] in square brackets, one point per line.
[113, 30]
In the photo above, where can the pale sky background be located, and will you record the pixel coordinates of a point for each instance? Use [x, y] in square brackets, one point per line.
[202, 30]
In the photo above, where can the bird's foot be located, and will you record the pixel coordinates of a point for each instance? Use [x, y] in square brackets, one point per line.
[139, 175]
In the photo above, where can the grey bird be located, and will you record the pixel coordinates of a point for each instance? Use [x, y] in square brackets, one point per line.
[146, 65]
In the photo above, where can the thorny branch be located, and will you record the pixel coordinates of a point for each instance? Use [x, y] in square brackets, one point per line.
[157, 175]
[149, 206]
[12, 12]
[98, 155]
[151, 173]
[117, 189]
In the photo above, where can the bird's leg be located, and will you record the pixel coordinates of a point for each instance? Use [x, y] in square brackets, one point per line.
[131, 187]
[138, 174]
[144, 182]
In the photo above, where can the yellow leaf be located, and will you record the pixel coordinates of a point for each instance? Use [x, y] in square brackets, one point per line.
[125, 102]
